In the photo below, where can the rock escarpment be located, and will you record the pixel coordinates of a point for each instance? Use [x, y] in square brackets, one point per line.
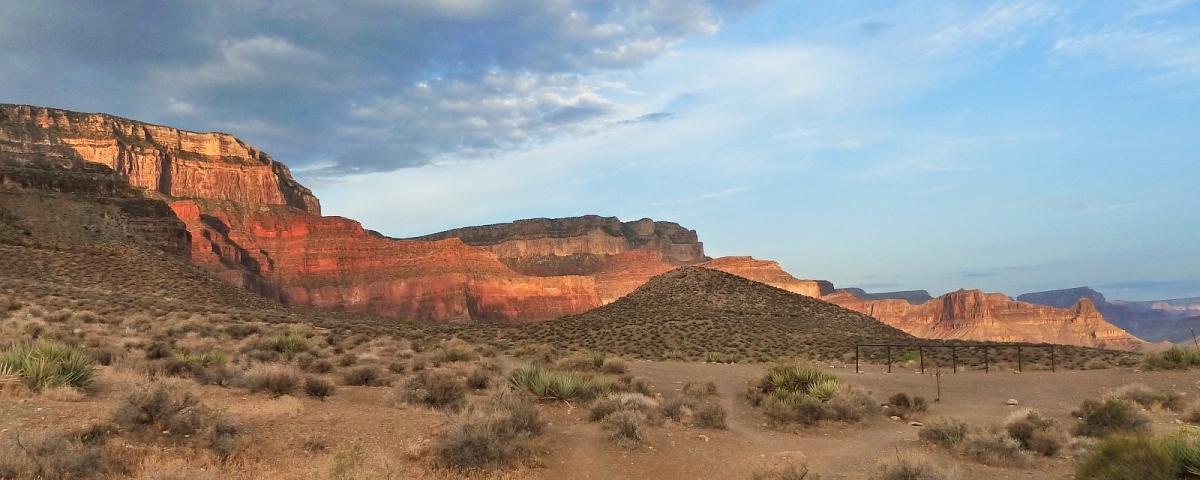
[915, 297]
[173, 162]
[974, 315]
[765, 271]
[578, 245]
[1153, 321]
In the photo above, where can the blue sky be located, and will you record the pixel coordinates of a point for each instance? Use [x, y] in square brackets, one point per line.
[1011, 146]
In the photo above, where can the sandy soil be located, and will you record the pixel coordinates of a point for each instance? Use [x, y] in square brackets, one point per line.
[285, 430]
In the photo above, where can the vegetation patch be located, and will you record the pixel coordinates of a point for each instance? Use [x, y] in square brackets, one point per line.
[46, 365]
[791, 394]
[1107, 417]
[491, 434]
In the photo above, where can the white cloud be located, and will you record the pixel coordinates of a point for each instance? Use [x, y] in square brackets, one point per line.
[1175, 53]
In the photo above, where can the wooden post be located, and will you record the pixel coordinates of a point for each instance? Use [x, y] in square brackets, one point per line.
[1018, 359]
[954, 359]
[986, 368]
[921, 352]
[856, 347]
[1052, 357]
[889, 347]
[939, 384]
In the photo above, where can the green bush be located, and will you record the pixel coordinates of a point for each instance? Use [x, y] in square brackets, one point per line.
[47, 365]
[291, 341]
[1176, 357]
[1183, 445]
[1113, 415]
[547, 384]
[1127, 457]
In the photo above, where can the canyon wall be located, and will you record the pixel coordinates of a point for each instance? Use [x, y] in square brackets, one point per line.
[765, 271]
[578, 245]
[173, 162]
[974, 315]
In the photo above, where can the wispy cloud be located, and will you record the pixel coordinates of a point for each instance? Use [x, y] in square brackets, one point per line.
[1174, 53]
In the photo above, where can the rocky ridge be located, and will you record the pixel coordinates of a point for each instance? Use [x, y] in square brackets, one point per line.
[975, 315]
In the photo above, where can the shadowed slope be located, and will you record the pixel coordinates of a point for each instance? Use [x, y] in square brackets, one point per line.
[693, 311]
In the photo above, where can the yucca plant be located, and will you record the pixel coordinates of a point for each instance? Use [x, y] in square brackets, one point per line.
[1183, 445]
[1182, 356]
[794, 378]
[291, 341]
[46, 365]
[597, 358]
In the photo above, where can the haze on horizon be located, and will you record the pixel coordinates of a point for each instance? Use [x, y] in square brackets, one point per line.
[1011, 146]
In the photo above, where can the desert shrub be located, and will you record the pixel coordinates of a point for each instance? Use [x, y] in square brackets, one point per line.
[491, 434]
[366, 375]
[47, 365]
[719, 357]
[158, 407]
[319, 387]
[596, 359]
[1113, 415]
[793, 384]
[102, 356]
[1147, 397]
[1035, 432]
[347, 359]
[320, 366]
[614, 366]
[434, 389]
[158, 350]
[784, 470]
[700, 389]
[993, 447]
[291, 341]
[55, 454]
[556, 385]
[450, 355]
[271, 378]
[1183, 445]
[908, 467]
[479, 379]
[624, 427]
[346, 458]
[1123, 457]
[1191, 413]
[945, 432]
[846, 403]
[710, 415]
[1176, 357]
[902, 405]
[617, 402]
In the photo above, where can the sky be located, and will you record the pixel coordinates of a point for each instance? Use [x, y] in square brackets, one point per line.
[1011, 146]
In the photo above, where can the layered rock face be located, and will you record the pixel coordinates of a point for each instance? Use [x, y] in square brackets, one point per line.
[974, 315]
[333, 263]
[173, 162]
[578, 245]
[765, 271]
[915, 297]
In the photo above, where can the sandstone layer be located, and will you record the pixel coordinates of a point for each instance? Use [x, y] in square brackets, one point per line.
[578, 245]
[173, 162]
[765, 271]
[974, 315]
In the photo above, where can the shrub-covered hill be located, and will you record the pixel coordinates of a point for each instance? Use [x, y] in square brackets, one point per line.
[696, 311]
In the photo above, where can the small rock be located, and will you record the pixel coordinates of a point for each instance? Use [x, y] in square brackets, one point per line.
[1011, 401]
[893, 418]
[915, 423]
[705, 437]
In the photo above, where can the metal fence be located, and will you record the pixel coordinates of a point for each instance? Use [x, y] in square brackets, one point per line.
[953, 353]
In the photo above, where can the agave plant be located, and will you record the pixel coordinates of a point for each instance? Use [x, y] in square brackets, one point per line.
[46, 365]
[1184, 446]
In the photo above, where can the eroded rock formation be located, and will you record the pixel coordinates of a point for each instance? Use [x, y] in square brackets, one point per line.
[974, 315]
[173, 162]
[578, 245]
[765, 271]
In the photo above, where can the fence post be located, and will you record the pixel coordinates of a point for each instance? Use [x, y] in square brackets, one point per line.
[889, 347]
[856, 347]
[954, 359]
[1052, 357]
[986, 367]
[921, 352]
[1018, 358]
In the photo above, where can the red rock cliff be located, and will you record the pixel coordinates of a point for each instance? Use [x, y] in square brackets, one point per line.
[176, 163]
[578, 245]
[974, 315]
[765, 271]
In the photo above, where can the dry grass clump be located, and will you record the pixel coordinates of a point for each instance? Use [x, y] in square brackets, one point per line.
[993, 446]
[434, 389]
[490, 434]
[55, 454]
[619, 402]
[625, 427]
[272, 378]
[1147, 397]
[1112, 415]
[694, 406]
[908, 467]
[1026, 430]
[788, 469]
[806, 396]
[945, 432]
[160, 410]
[46, 365]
